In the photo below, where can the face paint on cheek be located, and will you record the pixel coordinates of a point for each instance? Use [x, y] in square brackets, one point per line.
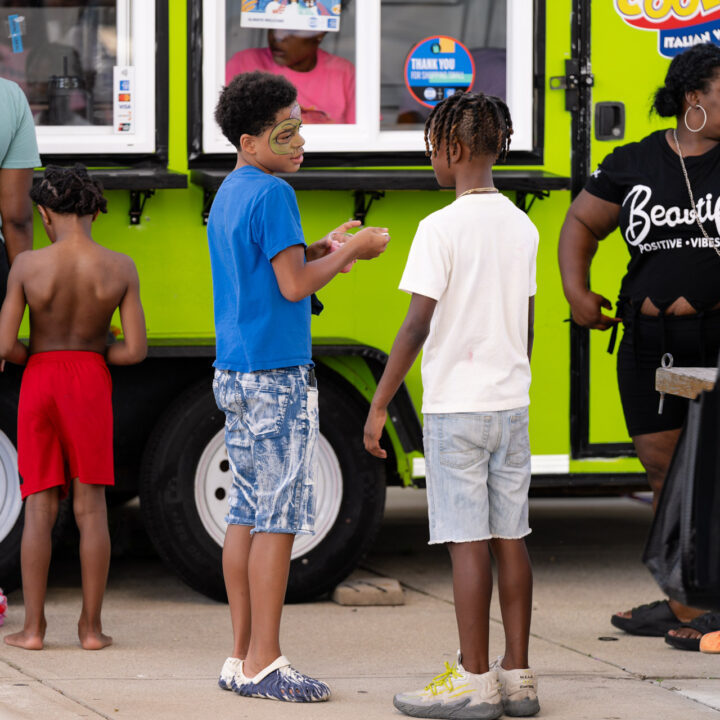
[282, 135]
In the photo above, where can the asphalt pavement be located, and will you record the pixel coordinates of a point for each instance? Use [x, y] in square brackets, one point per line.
[170, 642]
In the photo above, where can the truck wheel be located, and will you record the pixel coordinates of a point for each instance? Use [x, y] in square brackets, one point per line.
[11, 516]
[186, 478]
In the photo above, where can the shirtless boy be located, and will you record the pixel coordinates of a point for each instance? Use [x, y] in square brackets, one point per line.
[65, 433]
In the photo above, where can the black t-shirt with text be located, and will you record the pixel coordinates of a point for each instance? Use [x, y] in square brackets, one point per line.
[669, 255]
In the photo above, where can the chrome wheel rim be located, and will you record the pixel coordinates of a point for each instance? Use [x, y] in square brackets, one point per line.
[213, 481]
[10, 497]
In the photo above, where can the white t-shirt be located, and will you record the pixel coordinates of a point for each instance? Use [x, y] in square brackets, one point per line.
[476, 257]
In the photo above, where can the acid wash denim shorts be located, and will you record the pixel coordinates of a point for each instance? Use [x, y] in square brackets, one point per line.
[271, 432]
[477, 469]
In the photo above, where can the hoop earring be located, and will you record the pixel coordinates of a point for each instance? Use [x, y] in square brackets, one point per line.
[696, 107]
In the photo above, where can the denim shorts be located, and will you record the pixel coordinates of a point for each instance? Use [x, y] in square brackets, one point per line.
[271, 432]
[478, 475]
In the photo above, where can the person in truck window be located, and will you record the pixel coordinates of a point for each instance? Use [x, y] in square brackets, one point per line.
[325, 82]
[663, 193]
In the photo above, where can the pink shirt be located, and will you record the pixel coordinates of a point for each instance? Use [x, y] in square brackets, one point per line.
[326, 93]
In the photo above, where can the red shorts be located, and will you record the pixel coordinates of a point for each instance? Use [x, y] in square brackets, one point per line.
[65, 422]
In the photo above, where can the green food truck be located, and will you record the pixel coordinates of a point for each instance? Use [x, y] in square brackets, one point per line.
[128, 87]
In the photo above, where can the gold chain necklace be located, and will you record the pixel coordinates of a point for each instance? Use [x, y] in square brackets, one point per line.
[479, 191]
[690, 193]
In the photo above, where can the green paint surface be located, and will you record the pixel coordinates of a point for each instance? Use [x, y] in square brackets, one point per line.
[364, 306]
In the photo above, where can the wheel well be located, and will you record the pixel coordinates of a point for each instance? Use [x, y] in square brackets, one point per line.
[327, 375]
[401, 409]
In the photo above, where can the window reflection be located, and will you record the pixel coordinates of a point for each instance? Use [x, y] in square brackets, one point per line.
[320, 65]
[64, 61]
[480, 25]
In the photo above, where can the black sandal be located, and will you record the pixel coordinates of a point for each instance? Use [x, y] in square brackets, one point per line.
[708, 622]
[651, 620]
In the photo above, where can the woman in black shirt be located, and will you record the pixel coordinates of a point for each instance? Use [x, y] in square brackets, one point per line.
[664, 194]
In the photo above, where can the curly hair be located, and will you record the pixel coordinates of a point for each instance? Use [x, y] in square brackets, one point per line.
[69, 191]
[691, 70]
[480, 122]
[249, 104]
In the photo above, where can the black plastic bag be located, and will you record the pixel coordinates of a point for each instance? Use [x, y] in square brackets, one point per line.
[683, 550]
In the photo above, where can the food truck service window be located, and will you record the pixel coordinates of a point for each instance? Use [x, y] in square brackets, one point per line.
[335, 52]
[88, 70]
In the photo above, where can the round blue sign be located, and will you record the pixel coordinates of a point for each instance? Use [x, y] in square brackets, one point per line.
[438, 67]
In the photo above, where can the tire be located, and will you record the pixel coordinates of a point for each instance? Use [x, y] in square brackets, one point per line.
[185, 479]
[12, 515]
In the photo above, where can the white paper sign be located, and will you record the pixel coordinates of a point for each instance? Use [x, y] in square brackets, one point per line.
[313, 15]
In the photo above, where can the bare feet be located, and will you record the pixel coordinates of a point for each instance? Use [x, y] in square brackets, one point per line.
[686, 632]
[92, 638]
[26, 640]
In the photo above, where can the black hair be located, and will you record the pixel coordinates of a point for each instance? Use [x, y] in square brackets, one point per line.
[249, 104]
[69, 191]
[480, 122]
[691, 70]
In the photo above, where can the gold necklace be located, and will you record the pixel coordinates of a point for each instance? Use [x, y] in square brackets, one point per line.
[479, 191]
[693, 206]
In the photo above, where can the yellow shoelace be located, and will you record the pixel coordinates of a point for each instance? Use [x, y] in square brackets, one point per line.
[444, 679]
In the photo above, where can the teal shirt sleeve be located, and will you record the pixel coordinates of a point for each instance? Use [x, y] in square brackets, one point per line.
[18, 143]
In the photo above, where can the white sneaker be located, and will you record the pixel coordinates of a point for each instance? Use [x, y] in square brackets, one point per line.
[230, 669]
[518, 689]
[455, 693]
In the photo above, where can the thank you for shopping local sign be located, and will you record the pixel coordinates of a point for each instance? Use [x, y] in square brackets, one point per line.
[438, 67]
[680, 24]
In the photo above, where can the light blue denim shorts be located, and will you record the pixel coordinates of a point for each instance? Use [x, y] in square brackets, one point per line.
[271, 432]
[477, 468]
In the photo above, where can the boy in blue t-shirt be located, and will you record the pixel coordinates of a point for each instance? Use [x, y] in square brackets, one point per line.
[263, 277]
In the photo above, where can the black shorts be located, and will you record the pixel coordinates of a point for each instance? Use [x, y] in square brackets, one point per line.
[692, 340]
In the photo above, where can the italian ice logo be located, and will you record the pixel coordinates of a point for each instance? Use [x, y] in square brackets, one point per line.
[680, 24]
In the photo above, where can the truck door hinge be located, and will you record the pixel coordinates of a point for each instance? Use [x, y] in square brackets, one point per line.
[572, 82]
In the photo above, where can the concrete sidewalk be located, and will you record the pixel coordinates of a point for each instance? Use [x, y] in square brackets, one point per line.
[170, 642]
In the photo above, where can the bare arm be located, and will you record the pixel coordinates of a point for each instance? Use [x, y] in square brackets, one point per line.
[588, 221]
[16, 210]
[298, 279]
[531, 325]
[408, 343]
[11, 349]
[133, 348]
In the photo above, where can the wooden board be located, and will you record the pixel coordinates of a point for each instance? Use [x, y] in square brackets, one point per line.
[687, 382]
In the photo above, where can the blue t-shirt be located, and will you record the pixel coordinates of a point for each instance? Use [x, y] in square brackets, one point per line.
[254, 217]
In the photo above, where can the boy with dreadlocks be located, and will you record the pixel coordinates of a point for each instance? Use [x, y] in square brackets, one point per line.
[65, 431]
[471, 274]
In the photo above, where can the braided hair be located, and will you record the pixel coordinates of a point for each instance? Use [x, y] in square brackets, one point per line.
[69, 191]
[480, 122]
[692, 69]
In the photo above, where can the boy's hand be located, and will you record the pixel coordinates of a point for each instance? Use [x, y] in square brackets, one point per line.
[371, 242]
[373, 431]
[321, 248]
[318, 249]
